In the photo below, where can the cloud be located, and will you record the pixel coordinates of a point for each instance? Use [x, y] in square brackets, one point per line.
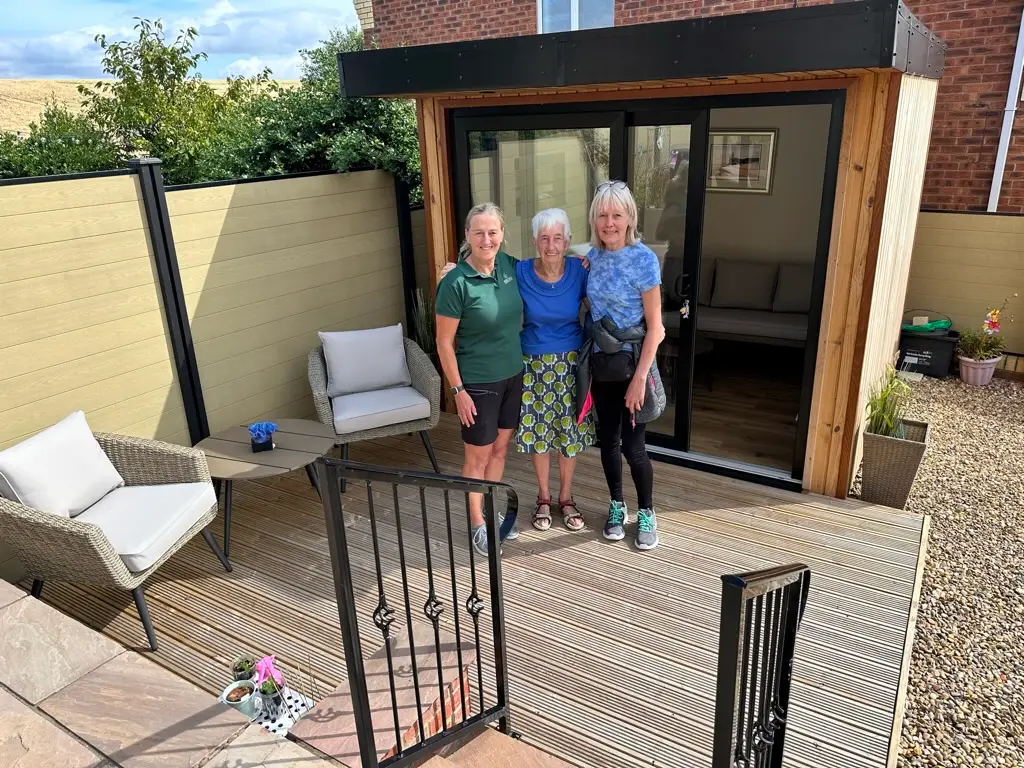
[282, 68]
[240, 37]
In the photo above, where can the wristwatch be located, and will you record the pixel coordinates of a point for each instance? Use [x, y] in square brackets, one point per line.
[456, 390]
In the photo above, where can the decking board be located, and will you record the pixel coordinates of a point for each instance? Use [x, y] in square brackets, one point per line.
[600, 675]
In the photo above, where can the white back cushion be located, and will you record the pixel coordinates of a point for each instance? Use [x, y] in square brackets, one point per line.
[61, 470]
[365, 361]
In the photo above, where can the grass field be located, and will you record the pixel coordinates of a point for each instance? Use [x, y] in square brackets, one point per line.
[21, 101]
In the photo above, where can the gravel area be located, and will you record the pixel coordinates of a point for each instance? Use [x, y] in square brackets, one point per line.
[965, 700]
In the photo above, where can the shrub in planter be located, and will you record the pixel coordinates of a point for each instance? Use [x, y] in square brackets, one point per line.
[271, 686]
[979, 351]
[423, 327]
[243, 667]
[893, 444]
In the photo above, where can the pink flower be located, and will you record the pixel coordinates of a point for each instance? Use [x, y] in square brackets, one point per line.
[265, 670]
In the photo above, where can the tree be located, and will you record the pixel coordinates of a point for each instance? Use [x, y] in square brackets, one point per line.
[157, 102]
[60, 142]
[311, 127]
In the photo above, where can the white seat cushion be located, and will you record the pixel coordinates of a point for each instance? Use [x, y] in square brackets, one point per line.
[61, 470]
[366, 360]
[372, 410]
[750, 322]
[143, 521]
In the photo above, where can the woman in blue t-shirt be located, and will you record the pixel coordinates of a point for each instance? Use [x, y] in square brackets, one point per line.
[553, 289]
[623, 286]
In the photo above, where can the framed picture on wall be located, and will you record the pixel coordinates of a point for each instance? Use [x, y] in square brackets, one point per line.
[741, 160]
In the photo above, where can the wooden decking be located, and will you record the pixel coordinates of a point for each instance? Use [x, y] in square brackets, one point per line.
[612, 652]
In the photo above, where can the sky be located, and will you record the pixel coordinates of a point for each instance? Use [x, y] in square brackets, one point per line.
[55, 38]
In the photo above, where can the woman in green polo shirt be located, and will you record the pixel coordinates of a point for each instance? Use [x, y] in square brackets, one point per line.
[479, 309]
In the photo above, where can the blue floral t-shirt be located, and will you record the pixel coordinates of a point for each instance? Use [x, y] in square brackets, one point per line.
[618, 280]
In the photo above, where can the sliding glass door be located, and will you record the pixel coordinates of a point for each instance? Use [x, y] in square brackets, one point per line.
[526, 163]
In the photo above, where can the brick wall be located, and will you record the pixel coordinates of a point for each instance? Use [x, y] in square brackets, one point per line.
[418, 22]
[981, 35]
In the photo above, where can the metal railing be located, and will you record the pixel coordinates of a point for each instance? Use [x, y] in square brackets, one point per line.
[761, 613]
[412, 527]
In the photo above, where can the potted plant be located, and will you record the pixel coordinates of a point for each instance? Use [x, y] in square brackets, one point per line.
[243, 667]
[270, 684]
[893, 444]
[241, 695]
[423, 327]
[261, 436]
[980, 351]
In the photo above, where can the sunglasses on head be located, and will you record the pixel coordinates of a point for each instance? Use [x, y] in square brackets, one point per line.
[610, 185]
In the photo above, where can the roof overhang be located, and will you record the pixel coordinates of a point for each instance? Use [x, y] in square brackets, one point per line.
[867, 34]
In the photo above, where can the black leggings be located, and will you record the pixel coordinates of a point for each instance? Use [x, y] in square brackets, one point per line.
[618, 436]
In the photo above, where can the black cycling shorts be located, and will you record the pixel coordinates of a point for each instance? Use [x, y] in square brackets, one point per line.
[498, 406]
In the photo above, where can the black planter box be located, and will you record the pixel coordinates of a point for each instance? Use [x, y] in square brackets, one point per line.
[266, 445]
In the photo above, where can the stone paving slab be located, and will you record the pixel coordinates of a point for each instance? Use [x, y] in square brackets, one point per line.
[143, 716]
[10, 593]
[256, 748]
[29, 740]
[42, 650]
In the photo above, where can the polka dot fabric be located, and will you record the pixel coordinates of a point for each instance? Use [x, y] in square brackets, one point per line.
[548, 418]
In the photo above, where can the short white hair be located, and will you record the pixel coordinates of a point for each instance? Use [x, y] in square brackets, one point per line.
[614, 194]
[550, 218]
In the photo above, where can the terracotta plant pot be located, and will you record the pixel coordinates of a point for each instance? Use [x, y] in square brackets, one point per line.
[977, 373]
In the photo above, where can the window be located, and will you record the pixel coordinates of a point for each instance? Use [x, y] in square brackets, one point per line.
[566, 15]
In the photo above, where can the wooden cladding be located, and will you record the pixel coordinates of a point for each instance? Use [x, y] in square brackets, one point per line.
[81, 321]
[867, 236]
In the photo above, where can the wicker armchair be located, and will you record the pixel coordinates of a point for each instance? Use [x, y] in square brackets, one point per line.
[75, 550]
[425, 380]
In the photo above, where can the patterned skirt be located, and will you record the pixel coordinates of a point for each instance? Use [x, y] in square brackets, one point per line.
[548, 418]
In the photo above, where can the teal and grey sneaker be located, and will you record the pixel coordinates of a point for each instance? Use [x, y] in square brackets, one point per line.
[514, 533]
[480, 539]
[646, 529]
[614, 527]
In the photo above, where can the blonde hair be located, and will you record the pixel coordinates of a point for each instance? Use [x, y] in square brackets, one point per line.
[614, 194]
[481, 209]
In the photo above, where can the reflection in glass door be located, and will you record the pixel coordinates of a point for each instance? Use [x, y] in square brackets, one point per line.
[660, 177]
[526, 171]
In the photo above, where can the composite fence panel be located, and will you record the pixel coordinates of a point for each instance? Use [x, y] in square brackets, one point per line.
[265, 265]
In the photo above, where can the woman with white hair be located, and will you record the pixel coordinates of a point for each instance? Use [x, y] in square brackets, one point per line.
[616, 364]
[552, 288]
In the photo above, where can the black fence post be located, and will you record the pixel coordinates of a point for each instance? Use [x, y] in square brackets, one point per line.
[165, 256]
[406, 251]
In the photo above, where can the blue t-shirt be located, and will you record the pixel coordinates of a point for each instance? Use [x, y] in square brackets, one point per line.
[551, 311]
[617, 281]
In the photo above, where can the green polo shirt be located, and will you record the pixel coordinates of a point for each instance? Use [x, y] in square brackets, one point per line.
[490, 314]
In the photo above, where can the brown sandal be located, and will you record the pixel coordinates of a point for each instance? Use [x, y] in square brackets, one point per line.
[542, 520]
[573, 520]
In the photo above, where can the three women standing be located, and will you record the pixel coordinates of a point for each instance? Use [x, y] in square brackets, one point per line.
[529, 378]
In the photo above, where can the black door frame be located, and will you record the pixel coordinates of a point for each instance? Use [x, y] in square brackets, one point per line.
[625, 113]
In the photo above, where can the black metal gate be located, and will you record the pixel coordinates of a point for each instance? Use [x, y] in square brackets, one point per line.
[413, 524]
[761, 612]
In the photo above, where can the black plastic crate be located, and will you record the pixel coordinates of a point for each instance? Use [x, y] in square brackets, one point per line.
[930, 353]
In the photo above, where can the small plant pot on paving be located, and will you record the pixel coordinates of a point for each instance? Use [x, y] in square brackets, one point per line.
[241, 695]
[893, 445]
[243, 667]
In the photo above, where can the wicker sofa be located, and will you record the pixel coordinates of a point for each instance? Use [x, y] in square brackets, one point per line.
[164, 498]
